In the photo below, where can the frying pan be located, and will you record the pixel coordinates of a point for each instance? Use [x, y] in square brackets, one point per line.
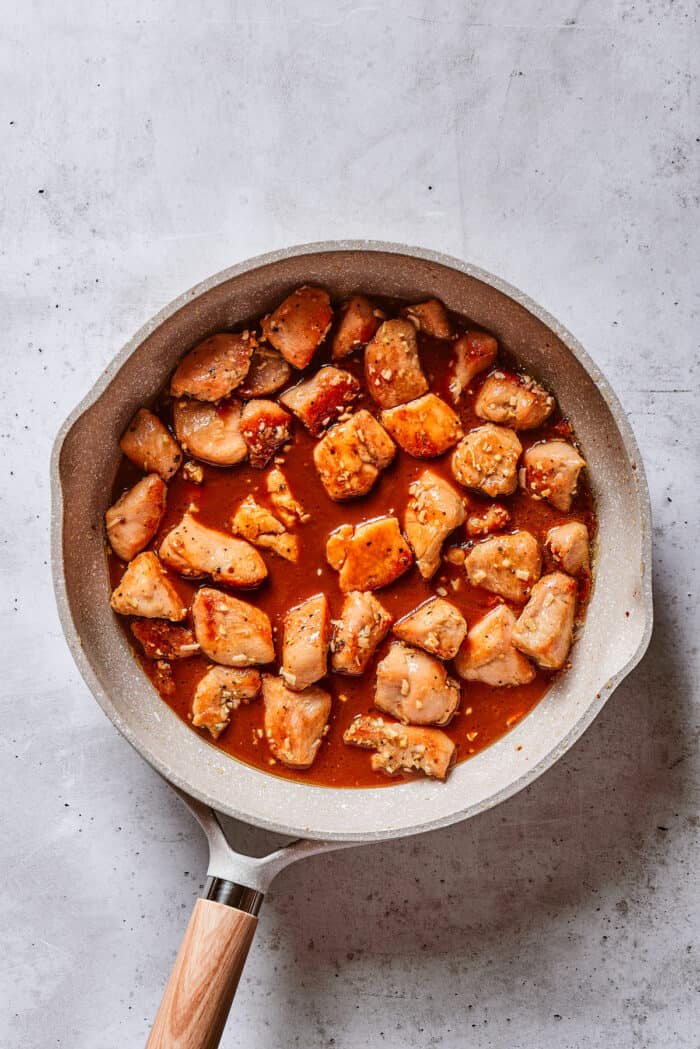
[296, 819]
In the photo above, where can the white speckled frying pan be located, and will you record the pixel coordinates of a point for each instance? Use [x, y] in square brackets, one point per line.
[615, 636]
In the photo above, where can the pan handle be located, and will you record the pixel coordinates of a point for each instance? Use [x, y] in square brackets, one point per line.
[198, 997]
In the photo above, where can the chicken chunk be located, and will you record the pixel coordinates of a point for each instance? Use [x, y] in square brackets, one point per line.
[402, 748]
[214, 368]
[368, 556]
[261, 528]
[211, 432]
[487, 460]
[319, 401]
[145, 590]
[414, 687]
[392, 366]
[359, 320]
[436, 626]
[160, 639]
[434, 510]
[265, 428]
[193, 549]
[513, 400]
[218, 693]
[545, 628]
[473, 353]
[135, 517]
[289, 508]
[425, 427]
[488, 655]
[429, 317]
[507, 565]
[231, 631]
[268, 373]
[363, 624]
[299, 324]
[567, 545]
[551, 470]
[295, 722]
[492, 518]
[351, 455]
[150, 445]
[307, 631]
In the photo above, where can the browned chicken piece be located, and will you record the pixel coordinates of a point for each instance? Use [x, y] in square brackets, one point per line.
[567, 546]
[507, 565]
[493, 518]
[295, 722]
[214, 368]
[289, 508]
[551, 472]
[218, 693]
[392, 366]
[351, 455]
[194, 549]
[261, 528]
[231, 631]
[145, 590]
[434, 510]
[150, 445]
[368, 556]
[487, 460]
[307, 632]
[268, 373]
[429, 317]
[160, 639]
[425, 427]
[134, 519]
[363, 623]
[488, 655]
[436, 625]
[402, 748]
[414, 687]
[473, 353]
[545, 628]
[265, 428]
[359, 320]
[299, 324]
[320, 400]
[211, 432]
[513, 400]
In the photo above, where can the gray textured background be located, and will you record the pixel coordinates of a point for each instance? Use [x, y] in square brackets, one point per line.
[145, 145]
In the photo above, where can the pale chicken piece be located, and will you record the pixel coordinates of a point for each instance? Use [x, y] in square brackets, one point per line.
[424, 428]
[392, 366]
[472, 354]
[351, 455]
[145, 590]
[289, 508]
[211, 432]
[545, 628]
[219, 693]
[551, 471]
[320, 400]
[368, 556]
[194, 549]
[307, 631]
[436, 626]
[414, 687]
[429, 317]
[492, 518]
[295, 722]
[265, 428]
[135, 517]
[299, 324]
[214, 368]
[261, 528]
[268, 373]
[486, 460]
[363, 624]
[231, 631]
[513, 400]
[160, 639]
[567, 546]
[488, 654]
[434, 510]
[150, 445]
[402, 748]
[359, 320]
[507, 565]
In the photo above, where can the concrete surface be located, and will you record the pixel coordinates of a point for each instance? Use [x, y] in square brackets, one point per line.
[147, 145]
